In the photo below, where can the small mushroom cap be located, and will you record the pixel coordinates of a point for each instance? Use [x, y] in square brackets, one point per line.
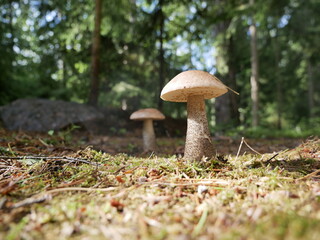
[147, 113]
[193, 82]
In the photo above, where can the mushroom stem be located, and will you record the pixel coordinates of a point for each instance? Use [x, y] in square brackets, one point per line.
[198, 140]
[149, 138]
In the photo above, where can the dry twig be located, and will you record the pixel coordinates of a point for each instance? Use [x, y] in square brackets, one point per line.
[66, 159]
[244, 141]
[30, 201]
[77, 189]
[251, 147]
[309, 175]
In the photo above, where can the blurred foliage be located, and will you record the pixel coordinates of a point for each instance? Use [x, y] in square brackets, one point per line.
[46, 49]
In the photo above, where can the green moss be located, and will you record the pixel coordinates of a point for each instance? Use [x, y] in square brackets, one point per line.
[15, 229]
[156, 197]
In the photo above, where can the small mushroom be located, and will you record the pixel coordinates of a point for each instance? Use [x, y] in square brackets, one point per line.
[147, 115]
[194, 87]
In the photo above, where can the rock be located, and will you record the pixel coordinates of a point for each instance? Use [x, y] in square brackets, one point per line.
[115, 122]
[42, 115]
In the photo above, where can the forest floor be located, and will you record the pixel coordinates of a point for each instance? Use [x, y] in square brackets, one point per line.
[73, 186]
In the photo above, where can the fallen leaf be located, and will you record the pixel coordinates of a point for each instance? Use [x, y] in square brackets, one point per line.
[118, 205]
[119, 179]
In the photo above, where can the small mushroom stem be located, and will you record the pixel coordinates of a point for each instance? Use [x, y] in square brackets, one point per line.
[149, 138]
[198, 140]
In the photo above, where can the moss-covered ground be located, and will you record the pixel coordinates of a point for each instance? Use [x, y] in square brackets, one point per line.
[64, 186]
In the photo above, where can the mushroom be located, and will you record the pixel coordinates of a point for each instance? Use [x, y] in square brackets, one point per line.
[147, 115]
[194, 87]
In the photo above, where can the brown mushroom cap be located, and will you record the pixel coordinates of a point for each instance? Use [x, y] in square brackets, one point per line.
[147, 113]
[193, 82]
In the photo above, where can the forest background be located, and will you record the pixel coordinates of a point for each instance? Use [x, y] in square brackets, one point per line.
[119, 54]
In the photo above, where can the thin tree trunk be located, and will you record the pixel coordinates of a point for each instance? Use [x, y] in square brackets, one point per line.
[222, 110]
[310, 89]
[254, 80]
[161, 57]
[278, 82]
[11, 70]
[95, 59]
[226, 106]
[11, 16]
[234, 99]
[222, 103]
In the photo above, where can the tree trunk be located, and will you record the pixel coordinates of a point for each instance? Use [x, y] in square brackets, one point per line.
[95, 57]
[279, 93]
[11, 27]
[254, 80]
[222, 110]
[222, 103]
[232, 70]
[310, 89]
[226, 106]
[161, 56]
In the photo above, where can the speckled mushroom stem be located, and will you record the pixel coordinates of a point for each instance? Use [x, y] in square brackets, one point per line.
[198, 140]
[149, 138]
